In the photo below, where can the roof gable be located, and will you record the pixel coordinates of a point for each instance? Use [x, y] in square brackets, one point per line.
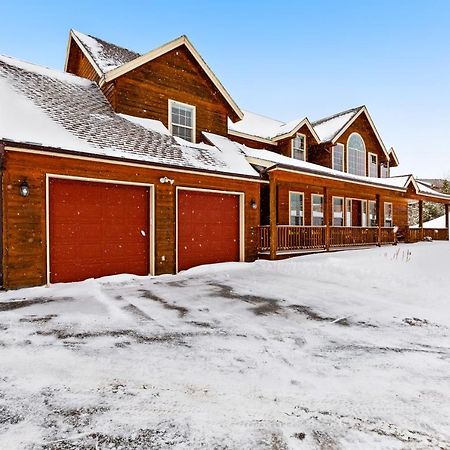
[113, 61]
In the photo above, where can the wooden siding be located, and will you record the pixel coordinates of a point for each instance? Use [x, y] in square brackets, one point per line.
[362, 126]
[24, 219]
[146, 90]
[79, 65]
[309, 185]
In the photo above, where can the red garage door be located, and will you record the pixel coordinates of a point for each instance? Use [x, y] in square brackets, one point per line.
[208, 228]
[97, 229]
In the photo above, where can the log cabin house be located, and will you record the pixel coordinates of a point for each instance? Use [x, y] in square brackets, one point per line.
[144, 164]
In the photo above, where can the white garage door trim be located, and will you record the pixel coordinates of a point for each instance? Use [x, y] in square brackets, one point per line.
[241, 218]
[151, 187]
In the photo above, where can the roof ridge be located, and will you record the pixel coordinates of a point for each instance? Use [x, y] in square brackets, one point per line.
[326, 119]
[76, 32]
[266, 117]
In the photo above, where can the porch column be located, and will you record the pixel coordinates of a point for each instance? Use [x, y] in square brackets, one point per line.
[421, 219]
[326, 217]
[380, 218]
[446, 209]
[273, 216]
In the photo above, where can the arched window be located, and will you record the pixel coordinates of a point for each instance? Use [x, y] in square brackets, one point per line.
[356, 155]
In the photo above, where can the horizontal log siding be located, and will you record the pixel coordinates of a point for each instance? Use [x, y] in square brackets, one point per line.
[145, 92]
[79, 65]
[24, 238]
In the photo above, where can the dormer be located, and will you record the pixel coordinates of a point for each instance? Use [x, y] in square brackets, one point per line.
[172, 84]
[351, 143]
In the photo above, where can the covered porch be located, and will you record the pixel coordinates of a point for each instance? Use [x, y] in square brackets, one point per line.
[304, 213]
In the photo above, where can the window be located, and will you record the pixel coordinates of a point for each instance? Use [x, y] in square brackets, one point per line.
[348, 212]
[338, 212]
[372, 213]
[296, 208]
[388, 214]
[299, 147]
[182, 120]
[338, 157]
[384, 170]
[373, 165]
[317, 210]
[356, 155]
[364, 213]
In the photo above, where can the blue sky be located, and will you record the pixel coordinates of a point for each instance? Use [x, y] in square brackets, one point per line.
[283, 59]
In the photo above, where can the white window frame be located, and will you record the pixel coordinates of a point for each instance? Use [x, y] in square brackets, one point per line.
[343, 211]
[369, 164]
[194, 115]
[302, 216]
[365, 154]
[304, 145]
[385, 167]
[343, 157]
[348, 212]
[372, 202]
[386, 218]
[312, 210]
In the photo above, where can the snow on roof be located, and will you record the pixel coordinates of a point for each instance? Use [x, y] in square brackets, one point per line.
[328, 127]
[107, 56]
[426, 189]
[256, 125]
[52, 109]
[149, 124]
[271, 158]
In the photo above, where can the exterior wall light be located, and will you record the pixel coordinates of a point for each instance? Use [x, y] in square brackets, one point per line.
[253, 204]
[24, 189]
[163, 180]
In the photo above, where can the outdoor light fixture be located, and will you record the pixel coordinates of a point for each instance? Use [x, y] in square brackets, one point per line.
[24, 189]
[163, 180]
[253, 204]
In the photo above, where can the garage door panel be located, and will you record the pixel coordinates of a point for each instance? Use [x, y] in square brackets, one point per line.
[208, 228]
[97, 229]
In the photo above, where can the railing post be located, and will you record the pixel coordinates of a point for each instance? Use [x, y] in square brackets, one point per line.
[421, 219]
[273, 217]
[379, 218]
[326, 218]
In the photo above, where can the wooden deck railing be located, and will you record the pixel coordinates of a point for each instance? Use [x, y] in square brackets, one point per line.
[353, 236]
[291, 238]
[437, 234]
[299, 237]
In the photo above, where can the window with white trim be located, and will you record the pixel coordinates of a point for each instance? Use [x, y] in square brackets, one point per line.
[182, 120]
[384, 170]
[299, 147]
[356, 155]
[317, 210]
[372, 213]
[364, 213]
[295, 208]
[388, 215]
[338, 212]
[338, 157]
[373, 165]
[348, 212]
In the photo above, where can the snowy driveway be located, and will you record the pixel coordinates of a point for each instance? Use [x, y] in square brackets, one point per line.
[338, 351]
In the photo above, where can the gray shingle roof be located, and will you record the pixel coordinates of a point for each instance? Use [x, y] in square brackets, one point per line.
[107, 56]
[59, 110]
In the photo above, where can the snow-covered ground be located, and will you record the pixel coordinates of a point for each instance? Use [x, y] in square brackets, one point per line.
[347, 350]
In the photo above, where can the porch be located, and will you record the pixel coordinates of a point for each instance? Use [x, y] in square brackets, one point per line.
[297, 239]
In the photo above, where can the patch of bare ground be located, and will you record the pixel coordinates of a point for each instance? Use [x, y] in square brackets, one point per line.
[17, 304]
[181, 310]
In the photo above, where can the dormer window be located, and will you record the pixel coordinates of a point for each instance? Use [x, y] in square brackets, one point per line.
[338, 157]
[299, 147]
[373, 165]
[385, 170]
[182, 120]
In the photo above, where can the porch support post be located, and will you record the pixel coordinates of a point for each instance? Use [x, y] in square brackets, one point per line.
[273, 217]
[326, 217]
[379, 218]
[421, 219]
[446, 209]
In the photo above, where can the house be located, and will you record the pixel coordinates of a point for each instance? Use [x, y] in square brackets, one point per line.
[144, 164]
